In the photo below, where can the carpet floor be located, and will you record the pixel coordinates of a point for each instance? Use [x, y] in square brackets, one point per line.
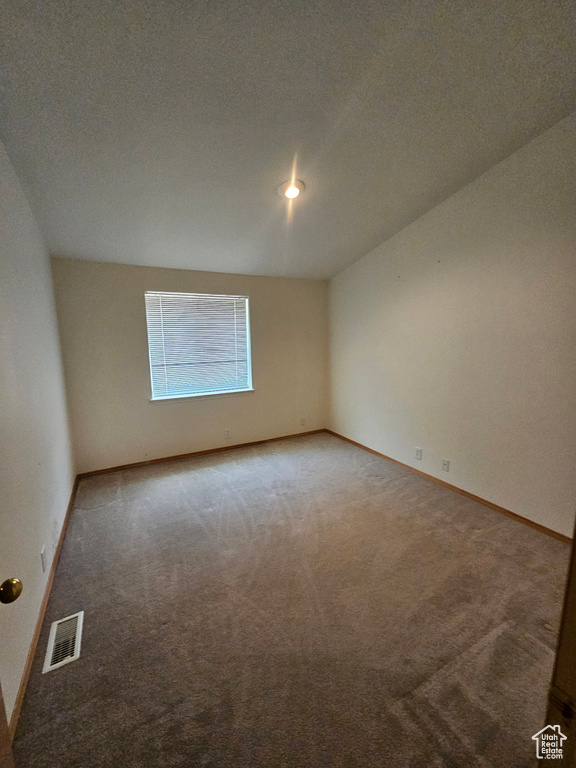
[298, 604]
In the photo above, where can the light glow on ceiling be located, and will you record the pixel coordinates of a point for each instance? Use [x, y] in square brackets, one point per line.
[292, 192]
[291, 188]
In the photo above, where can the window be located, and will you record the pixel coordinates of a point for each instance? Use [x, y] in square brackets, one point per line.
[199, 344]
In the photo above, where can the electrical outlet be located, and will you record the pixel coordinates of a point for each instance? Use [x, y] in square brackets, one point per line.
[302, 422]
[445, 465]
[418, 453]
[227, 434]
[44, 558]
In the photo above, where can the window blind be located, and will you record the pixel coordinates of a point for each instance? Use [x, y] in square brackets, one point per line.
[199, 344]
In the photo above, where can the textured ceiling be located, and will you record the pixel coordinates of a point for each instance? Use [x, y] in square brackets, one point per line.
[157, 131]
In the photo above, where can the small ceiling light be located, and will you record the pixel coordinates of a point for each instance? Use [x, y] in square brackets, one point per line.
[291, 189]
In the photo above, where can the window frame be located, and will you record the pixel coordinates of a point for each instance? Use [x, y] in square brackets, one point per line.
[223, 392]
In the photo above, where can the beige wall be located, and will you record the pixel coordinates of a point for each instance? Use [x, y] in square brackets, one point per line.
[103, 331]
[459, 335]
[35, 466]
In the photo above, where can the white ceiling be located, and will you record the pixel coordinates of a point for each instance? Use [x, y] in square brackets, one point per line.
[156, 132]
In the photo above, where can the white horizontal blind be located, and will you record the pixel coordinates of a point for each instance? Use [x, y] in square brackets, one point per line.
[199, 344]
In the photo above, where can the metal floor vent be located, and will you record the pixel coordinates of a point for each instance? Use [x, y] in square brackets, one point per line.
[64, 642]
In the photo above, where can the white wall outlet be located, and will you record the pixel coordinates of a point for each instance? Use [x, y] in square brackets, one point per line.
[445, 465]
[418, 453]
[302, 422]
[227, 434]
[44, 558]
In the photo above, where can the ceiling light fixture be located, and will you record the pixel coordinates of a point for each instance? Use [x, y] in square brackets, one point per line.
[291, 189]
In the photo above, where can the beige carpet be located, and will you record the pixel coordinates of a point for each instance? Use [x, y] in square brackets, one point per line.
[300, 604]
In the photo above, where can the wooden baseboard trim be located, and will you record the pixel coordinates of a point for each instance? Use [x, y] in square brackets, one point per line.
[121, 467]
[32, 650]
[461, 491]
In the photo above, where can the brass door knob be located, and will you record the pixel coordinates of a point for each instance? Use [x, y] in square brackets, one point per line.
[10, 590]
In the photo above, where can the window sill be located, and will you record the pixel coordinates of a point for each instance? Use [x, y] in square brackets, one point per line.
[227, 393]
